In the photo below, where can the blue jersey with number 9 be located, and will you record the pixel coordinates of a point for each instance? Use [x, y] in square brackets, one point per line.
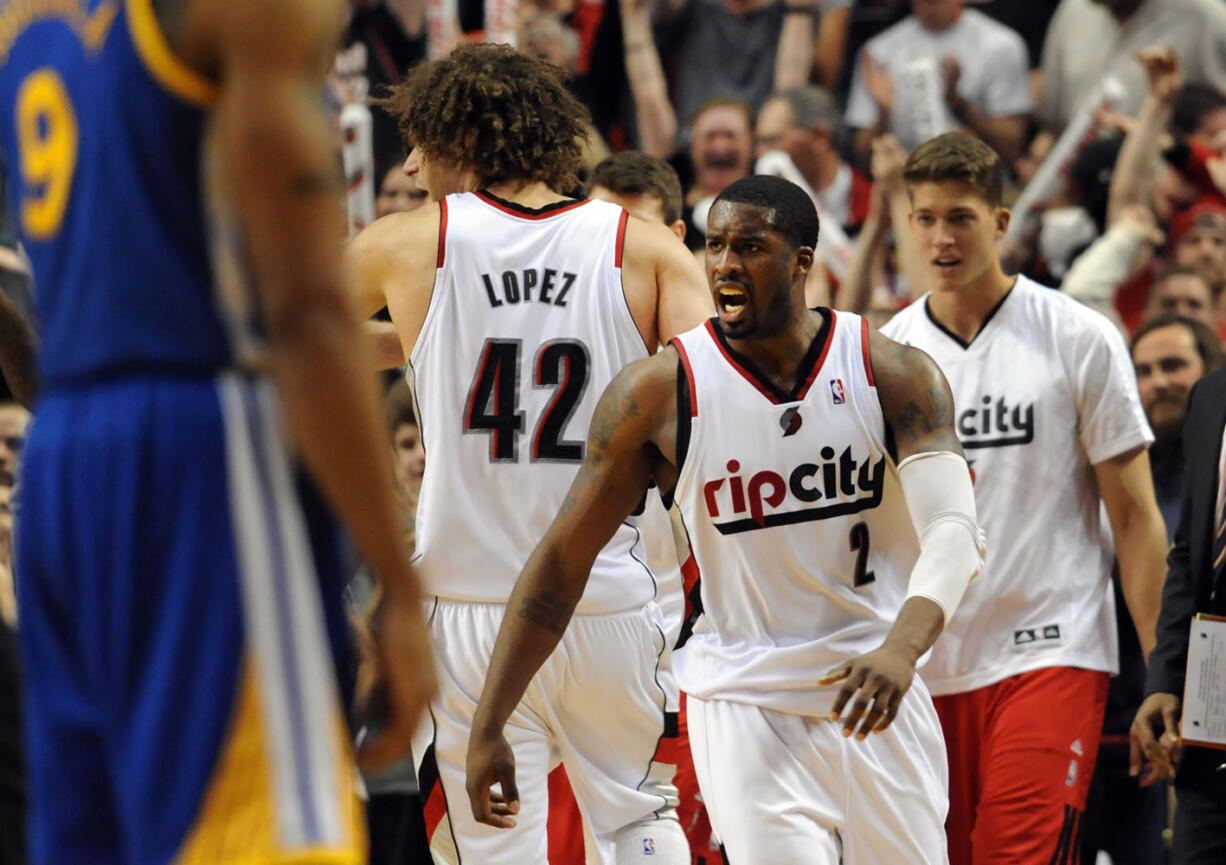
[103, 132]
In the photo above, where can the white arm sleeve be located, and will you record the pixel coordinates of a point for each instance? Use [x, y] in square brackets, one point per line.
[941, 501]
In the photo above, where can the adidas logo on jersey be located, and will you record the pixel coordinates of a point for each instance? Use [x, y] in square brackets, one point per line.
[996, 424]
[843, 484]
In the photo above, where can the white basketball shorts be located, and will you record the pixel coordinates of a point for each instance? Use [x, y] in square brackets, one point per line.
[789, 788]
[598, 705]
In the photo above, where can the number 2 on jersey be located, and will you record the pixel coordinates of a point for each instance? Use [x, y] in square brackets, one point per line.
[493, 399]
[47, 138]
[859, 546]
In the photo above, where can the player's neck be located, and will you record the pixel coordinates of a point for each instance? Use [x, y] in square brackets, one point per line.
[963, 311]
[526, 194]
[778, 357]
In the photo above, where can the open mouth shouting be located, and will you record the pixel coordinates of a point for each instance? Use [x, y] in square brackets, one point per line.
[732, 301]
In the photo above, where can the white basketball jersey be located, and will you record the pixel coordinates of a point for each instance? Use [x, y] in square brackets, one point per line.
[527, 325]
[795, 517]
[1043, 392]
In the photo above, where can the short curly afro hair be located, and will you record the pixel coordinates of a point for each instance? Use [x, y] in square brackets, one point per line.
[494, 111]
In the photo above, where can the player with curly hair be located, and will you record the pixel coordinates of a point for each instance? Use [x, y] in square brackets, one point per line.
[515, 306]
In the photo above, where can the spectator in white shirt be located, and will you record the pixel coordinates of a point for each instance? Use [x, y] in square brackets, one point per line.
[942, 68]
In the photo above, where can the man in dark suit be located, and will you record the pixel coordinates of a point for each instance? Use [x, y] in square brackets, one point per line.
[1195, 583]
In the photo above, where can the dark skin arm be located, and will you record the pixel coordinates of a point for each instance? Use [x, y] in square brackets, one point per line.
[919, 409]
[18, 348]
[274, 143]
[631, 440]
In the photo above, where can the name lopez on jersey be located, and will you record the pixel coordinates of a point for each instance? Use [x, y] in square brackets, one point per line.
[845, 485]
[546, 286]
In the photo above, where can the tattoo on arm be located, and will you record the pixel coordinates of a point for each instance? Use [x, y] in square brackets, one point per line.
[547, 612]
[617, 407]
[916, 421]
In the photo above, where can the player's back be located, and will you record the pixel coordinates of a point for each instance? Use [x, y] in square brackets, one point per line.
[103, 131]
[795, 516]
[527, 325]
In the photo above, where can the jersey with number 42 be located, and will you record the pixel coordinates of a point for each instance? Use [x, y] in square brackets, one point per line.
[795, 516]
[527, 325]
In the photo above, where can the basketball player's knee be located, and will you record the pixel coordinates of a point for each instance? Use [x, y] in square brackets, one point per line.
[657, 840]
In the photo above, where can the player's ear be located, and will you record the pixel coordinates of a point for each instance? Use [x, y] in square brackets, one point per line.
[803, 259]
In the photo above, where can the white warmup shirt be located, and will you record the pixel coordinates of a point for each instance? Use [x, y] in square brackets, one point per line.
[1044, 392]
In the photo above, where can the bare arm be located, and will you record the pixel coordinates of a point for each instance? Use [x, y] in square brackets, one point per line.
[657, 119]
[856, 291]
[392, 263]
[385, 344]
[831, 44]
[919, 408]
[1127, 489]
[794, 56]
[889, 160]
[664, 284]
[632, 432]
[915, 398]
[890, 208]
[275, 144]
[18, 350]
[1134, 166]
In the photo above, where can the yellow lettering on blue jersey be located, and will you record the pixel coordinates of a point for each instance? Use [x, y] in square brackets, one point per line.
[48, 135]
[92, 29]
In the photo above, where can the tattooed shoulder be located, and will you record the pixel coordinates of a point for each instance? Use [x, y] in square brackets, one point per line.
[619, 404]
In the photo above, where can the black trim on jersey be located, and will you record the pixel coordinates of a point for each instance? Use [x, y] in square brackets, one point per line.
[672, 725]
[694, 596]
[963, 344]
[804, 372]
[531, 211]
[685, 420]
[663, 712]
[891, 445]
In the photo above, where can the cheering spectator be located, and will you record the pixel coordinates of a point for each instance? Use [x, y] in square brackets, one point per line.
[941, 68]
[721, 150]
[806, 124]
[1090, 39]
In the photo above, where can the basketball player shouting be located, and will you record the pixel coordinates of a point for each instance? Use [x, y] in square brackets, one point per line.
[770, 425]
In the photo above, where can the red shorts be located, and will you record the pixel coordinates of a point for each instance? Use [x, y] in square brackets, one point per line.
[1021, 756]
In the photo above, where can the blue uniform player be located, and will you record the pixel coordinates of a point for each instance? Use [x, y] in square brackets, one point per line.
[178, 583]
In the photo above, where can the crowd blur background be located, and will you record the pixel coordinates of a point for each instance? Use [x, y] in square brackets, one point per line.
[1110, 115]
